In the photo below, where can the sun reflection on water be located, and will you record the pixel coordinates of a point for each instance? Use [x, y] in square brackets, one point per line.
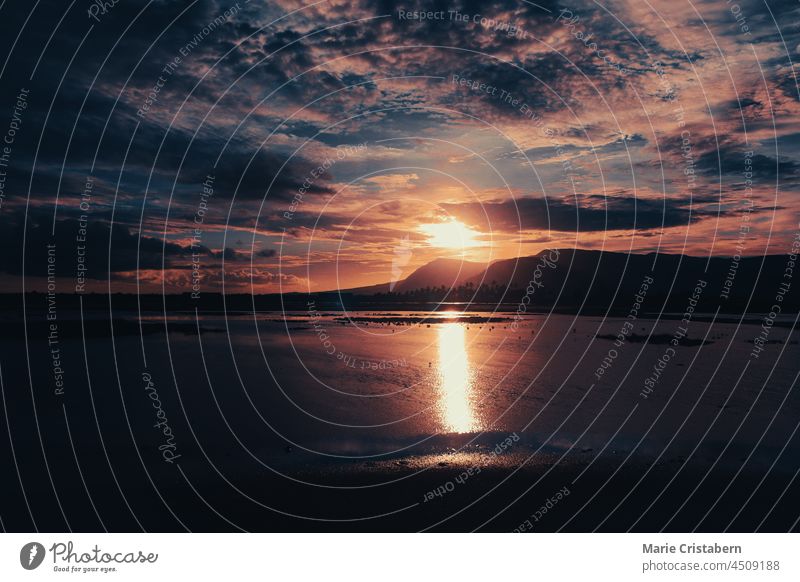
[457, 380]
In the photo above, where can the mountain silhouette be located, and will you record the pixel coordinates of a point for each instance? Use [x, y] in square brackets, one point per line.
[447, 272]
[565, 280]
[574, 279]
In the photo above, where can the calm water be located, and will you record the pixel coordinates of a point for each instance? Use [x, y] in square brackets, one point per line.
[377, 383]
[289, 411]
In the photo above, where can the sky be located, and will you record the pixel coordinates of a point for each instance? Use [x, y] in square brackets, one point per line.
[259, 147]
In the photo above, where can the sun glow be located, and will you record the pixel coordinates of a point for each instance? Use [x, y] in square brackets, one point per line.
[450, 235]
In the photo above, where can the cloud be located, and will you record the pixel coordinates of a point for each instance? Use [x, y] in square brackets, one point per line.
[258, 104]
[592, 213]
[730, 160]
[127, 249]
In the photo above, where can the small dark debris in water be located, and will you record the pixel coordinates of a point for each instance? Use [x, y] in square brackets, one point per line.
[442, 464]
[587, 450]
[289, 448]
[660, 339]
[401, 463]
[429, 320]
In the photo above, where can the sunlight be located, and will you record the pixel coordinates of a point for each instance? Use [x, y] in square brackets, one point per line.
[455, 399]
[451, 314]
[450, 235]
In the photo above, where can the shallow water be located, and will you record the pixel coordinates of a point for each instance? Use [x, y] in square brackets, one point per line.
[287, 404]
[355, 389]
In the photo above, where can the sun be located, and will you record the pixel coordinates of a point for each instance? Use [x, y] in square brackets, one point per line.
[450, 235]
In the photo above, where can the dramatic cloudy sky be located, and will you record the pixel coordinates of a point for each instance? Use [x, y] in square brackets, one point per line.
[618, 125]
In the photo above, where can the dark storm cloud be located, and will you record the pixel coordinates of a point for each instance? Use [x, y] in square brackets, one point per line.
[301, 222]
[91, 123]
[592, 214]
[251, 175]
[127, 248]
[446, 33]
[731, 161]
[125, 46]
[539, 83]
